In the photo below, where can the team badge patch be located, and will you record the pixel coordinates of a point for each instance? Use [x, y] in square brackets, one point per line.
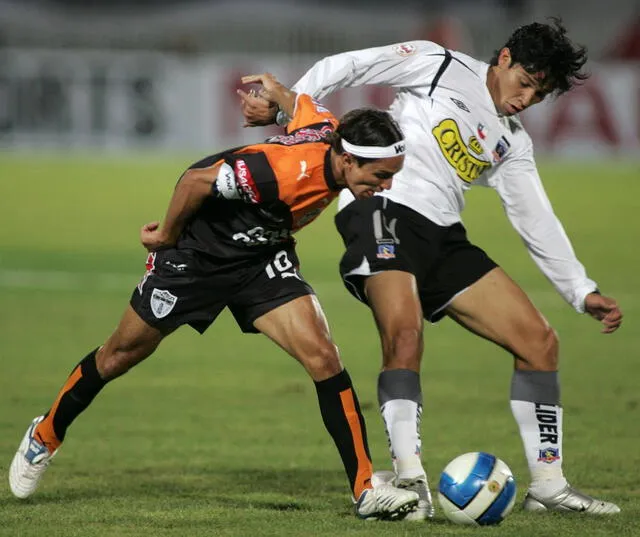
[501, 149]
[482, 131]
[406, 49]
[386, 251]
[162, 302]
[548, 455]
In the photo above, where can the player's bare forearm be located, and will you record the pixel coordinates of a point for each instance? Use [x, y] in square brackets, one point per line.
[190, 192]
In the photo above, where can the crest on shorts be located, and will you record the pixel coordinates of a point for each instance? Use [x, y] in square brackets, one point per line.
[162, 302]
[386, 251]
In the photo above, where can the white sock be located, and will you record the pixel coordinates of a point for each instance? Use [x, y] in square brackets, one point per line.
[541, 432]
[402, 422]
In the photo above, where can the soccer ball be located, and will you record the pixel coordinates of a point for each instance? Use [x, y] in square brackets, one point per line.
[477, 489]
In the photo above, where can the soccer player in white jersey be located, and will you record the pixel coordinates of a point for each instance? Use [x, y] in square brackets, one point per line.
[407, 255]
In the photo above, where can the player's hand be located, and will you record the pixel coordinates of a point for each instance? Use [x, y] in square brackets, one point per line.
[257, 111]
[270, 89]
[605, 310]
[260, 107]
[153, 238]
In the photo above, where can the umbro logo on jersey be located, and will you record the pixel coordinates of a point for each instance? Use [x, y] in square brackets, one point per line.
[460, 104]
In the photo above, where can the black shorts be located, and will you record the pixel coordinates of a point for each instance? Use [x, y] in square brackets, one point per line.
[184, 286]
[382, 235]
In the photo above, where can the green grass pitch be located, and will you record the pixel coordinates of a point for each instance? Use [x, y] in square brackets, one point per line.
[220, 434]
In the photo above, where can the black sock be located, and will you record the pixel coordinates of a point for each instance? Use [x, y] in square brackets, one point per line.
[344, 421]
[83, 384]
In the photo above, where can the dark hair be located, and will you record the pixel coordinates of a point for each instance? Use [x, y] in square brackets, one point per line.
[367, 127]
[546, 48]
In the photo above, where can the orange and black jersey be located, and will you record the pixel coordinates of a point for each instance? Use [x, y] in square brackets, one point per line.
[286, 182]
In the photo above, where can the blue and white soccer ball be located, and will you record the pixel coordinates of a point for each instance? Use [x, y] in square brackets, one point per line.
[477, 489]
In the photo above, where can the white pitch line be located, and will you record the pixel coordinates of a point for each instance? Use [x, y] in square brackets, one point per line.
[47, 280]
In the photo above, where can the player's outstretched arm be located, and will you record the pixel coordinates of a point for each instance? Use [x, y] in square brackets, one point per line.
[605, 310]
[192, 189]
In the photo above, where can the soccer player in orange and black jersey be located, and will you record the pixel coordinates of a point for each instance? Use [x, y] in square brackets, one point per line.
[226, 242]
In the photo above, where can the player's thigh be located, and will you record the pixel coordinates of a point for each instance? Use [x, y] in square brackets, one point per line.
[496, 308]
[300, 328]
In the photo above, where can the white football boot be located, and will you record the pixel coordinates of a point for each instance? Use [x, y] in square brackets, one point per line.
[569, 499]
[29, 463]
[419, 485]
[385, 502]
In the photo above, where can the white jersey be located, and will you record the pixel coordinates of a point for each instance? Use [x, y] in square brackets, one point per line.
[456, 140]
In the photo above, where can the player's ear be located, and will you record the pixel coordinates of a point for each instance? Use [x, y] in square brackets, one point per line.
[348, 159]
[504, 58]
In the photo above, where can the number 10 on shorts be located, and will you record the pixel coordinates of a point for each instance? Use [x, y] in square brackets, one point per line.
[281, 265]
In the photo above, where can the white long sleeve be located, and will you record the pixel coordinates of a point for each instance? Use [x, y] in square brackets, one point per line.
[530, 213]
[405, 65]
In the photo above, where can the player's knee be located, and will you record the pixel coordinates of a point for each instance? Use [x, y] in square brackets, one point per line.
[112, 363]
[403, 349]
[543, 353]
[322, 362]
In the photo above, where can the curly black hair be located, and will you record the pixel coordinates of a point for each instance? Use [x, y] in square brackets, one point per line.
[546, 48]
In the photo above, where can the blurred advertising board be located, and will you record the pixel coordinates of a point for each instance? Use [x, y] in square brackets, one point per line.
[105, 100]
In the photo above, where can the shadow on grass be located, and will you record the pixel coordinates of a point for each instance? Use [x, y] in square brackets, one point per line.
[278, 490]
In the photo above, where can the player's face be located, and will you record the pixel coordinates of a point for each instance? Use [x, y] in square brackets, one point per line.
[364, 181]
[514, 89]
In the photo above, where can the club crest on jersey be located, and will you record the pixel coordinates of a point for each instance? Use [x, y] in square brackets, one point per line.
[405, 49]
[162, 302]
[386, 251]
[548, 455]
[501, 149]
[467, 167]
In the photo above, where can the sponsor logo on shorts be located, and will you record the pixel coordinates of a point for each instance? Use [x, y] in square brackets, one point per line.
[468, 167]
[246, 182]
[386, 251]
[162, 302]
[548, 455]
[405, 49]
